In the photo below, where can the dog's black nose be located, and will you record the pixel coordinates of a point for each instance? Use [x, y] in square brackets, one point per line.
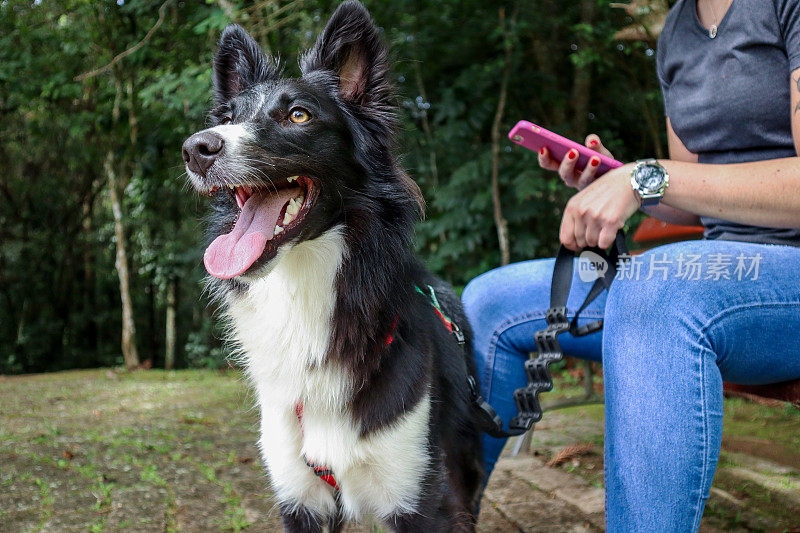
[201, 150]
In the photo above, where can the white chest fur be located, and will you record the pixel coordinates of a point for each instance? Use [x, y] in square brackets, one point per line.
[281, 325]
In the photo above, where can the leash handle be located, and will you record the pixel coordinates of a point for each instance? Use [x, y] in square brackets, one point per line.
[549, 351]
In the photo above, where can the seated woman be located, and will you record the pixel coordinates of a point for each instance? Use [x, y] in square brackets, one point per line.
[691, 314]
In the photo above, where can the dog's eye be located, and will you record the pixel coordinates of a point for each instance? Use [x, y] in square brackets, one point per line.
[225, 120]
[298, 115]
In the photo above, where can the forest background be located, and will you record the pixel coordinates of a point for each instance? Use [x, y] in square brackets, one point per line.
[100, 236]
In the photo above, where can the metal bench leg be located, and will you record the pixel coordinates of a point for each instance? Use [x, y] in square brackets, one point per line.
[588, 379]
[523, 444]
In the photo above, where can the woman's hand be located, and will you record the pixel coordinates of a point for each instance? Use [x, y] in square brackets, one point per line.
[571, 176]
[594, 215]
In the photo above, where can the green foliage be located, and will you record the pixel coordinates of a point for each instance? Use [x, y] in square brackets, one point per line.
[59, 293]
[199, 352]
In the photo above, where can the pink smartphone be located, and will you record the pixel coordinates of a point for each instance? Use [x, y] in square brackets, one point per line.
[535, 137]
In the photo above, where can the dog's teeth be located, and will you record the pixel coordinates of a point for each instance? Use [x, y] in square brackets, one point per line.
[233, 188]
[293, 208]
[292, 178]
[300, 200]
[288, 217]
[278, 229]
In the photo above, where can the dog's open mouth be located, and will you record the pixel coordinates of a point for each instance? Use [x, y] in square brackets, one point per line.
[268, 217]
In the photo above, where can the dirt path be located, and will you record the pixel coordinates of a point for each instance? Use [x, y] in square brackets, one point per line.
[156, 451]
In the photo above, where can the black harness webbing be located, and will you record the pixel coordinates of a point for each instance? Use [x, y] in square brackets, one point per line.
[529, 410]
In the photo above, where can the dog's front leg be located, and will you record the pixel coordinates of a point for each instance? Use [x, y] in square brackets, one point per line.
[417, 522]
[306, 501]
[301, 519]
[434, 522]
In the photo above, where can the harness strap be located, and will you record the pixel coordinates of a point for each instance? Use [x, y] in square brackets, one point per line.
[390, 336]
[488, 420]
[451, 326]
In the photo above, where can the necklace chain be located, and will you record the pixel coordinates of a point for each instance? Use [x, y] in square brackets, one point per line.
[712, 31]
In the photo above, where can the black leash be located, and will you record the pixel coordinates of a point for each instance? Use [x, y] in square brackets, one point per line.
[529, 410]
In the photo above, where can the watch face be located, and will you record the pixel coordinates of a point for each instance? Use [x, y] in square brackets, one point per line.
[649, 178]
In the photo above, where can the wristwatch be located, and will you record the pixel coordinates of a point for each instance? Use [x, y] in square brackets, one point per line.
[649, 181]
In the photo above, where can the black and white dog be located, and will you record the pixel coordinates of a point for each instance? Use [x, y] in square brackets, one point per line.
[365, 410]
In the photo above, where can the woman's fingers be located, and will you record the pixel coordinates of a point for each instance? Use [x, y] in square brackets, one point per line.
[573, 227]
[567, 232]
[592, 236]
[588, 174]
[567, 169]
[606, 237]
[545, 161]
[580, 233]
[585, 219]
[593, 216]
[593, 142]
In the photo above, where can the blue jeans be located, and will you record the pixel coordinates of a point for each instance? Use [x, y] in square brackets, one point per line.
[672, 334]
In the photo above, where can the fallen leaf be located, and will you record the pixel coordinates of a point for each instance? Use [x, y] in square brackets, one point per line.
[570, 452]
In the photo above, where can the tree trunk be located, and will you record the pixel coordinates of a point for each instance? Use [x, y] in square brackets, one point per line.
[89, 293]
[426, 126]
[152, 319]
[582, 81]
[500, 221]
[169, 355]
[654, 127]
[129, 352]
[547, 53]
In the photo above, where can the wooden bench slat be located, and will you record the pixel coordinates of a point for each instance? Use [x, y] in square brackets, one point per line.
[653, 230]
[788, 391]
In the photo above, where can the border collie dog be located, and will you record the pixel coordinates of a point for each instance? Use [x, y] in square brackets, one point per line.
[362, 387]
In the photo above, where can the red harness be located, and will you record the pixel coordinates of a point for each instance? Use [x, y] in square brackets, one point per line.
[324, 472]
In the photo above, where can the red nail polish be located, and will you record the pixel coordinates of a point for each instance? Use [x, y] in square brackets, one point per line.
[542, 150]
[592, 143]
[572, 154]
[595, 162]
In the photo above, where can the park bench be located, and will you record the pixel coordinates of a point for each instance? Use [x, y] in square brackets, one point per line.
[652, 232]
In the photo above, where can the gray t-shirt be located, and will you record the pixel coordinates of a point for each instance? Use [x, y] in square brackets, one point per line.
[728, 97]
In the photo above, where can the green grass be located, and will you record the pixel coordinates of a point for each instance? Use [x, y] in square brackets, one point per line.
[99, 450]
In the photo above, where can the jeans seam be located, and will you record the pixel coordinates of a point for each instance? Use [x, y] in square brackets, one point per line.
[502, 328]
[712, 321]
[698, 504]
[486, 382]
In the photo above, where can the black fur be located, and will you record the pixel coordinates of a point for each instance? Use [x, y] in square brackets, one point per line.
[302, 520]
[239, 64]
[348, 150]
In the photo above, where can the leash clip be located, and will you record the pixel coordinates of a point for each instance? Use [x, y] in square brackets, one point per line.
[458, 334]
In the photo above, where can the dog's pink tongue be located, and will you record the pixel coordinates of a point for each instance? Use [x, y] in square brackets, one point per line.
[230, 255]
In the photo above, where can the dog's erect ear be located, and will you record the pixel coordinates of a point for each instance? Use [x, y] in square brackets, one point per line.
[351, 47]
[239, 63]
